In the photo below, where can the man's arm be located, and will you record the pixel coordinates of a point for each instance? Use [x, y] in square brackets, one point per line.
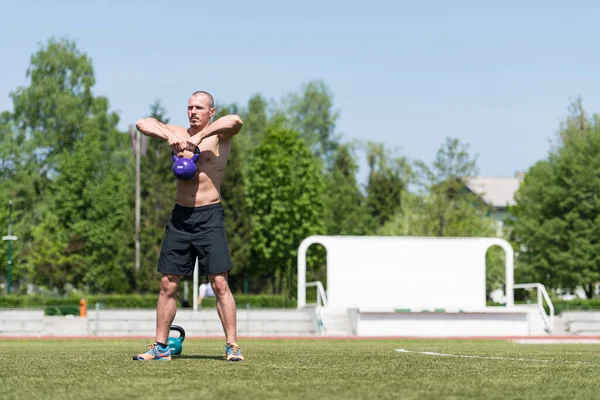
[175, 135]
[154, 128]
[226, 127]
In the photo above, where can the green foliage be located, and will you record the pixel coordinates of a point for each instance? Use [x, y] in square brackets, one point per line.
[71, 302]
[108, 229]
[388, 178]
[449, 209]
[285, 195]
[346, 213]
[255, 120]
[311, 115]
[445, 208]
[557, 226]
[575, 304]
[70, 180]
[70, 174]
[233, 197]
[243, 301]
[157, 194]
[63, 305]
[559, 305]
[54, 108]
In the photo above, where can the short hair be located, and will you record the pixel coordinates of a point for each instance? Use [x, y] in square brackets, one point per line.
[211, 100]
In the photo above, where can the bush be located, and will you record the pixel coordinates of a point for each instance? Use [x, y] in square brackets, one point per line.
[64, 305]
[576, 304]
[563, 305]
[61, 310]
[255, 301]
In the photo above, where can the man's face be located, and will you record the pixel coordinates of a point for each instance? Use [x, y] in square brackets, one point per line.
[199, 111]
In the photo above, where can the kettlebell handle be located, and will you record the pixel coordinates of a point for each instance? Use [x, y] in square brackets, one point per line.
[194, 157]
[180, 330]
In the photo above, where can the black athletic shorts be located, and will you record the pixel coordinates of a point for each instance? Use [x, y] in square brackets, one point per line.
[195, 232]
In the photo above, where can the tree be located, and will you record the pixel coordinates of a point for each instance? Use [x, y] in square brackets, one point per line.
[21, 184]
[233, 194]
[311, 115]
[453, 210]
[285, 195]
[109, 228]
[69, 150]
[88, 206]
[158, 187]
[255, 118]
[445, 208]
[388, 178]
[556, 227]
[54, 107]
[346, 212]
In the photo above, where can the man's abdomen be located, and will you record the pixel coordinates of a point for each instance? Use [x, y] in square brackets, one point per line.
[200, 191]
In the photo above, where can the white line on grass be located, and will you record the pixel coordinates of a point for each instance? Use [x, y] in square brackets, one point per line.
[557, 341]
[430, 353]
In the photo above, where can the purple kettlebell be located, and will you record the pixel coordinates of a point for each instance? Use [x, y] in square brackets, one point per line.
[185, 168]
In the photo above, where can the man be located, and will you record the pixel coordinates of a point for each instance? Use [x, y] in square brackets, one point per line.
[196, 226]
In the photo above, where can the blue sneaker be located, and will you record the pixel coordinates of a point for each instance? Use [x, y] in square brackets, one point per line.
[233, 352]
[155, 352]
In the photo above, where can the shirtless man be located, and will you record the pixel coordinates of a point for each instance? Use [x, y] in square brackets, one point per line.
[196, 226]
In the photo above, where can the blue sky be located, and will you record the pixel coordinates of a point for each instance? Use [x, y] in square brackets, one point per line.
[497, 75]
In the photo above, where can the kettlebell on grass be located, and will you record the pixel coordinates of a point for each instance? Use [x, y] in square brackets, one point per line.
[175, 343]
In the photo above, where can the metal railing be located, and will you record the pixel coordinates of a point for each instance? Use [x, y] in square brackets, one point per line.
[321, 302]
[321, 296]
[542, 295]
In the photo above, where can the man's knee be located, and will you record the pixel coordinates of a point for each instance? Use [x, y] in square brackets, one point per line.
[219, 284]
[169, 285]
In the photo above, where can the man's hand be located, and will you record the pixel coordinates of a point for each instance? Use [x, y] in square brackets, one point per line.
[178, 142]
[190, 145]
[178, 138]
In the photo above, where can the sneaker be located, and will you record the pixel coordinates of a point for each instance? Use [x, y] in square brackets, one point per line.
[155, 352]
[233, 352]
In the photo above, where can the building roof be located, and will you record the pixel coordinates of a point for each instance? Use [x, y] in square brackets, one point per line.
[495, 191]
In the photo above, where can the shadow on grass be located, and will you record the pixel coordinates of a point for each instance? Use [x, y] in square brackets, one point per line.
[199, 357]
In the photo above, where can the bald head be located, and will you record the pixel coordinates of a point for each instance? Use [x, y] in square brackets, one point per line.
[200, 93]
[201, 108]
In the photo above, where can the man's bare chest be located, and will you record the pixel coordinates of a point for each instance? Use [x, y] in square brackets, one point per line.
[213, 155]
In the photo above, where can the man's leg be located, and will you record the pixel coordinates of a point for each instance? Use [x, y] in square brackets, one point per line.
[214, 261]
[225, 305]
[227, 312]
[167, 306]
[166, 309]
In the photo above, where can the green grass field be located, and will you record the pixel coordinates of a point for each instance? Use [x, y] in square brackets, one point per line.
[299, 369]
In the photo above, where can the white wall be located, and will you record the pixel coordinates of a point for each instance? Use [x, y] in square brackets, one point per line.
[404, 272]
